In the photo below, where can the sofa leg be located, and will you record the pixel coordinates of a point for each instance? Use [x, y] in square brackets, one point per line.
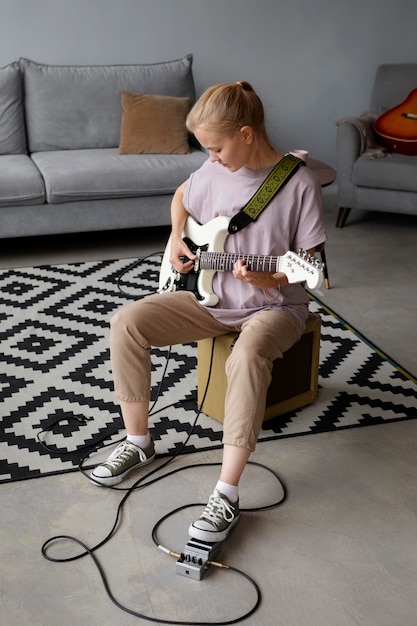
[342, 217]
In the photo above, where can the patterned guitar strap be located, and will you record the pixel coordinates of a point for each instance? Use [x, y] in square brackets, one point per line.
[281, 173]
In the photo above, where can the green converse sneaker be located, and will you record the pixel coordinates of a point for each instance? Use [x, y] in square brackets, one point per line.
[217, 519]
[125, 458]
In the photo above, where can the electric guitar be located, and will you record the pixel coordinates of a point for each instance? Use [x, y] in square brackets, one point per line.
[397, 128]
[207, 242]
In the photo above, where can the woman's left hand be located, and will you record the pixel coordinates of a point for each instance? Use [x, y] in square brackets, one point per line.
[262, 280]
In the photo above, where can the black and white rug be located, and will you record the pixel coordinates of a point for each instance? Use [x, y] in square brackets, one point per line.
[56, 398]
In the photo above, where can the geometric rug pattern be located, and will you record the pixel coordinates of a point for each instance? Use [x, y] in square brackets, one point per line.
[56, 397]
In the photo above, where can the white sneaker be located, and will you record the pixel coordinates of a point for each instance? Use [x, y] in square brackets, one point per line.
[217, 519]
[125, 458]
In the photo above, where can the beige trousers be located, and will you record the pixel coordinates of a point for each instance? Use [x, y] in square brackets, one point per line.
[172, 318]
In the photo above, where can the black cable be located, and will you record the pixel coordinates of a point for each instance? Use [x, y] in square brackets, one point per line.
[90, 551]
[129, 269]
[160, 620]
[140, 484]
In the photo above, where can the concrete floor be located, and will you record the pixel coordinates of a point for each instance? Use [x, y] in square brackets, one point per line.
[341, 550]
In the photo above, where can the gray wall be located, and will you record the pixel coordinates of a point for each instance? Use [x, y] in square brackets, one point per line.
[311, 61]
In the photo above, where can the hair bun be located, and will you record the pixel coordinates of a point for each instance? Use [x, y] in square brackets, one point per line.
[245, 85]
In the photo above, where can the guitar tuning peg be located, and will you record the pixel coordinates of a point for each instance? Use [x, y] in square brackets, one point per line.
[310, 258]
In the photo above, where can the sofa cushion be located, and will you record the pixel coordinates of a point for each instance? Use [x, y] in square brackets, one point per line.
[71, 175]
[77, 107]
[394, 171]
[12, 126]
[153, 124]
[20, 181]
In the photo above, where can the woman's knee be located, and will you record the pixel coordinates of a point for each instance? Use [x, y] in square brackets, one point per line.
[119, 322]
[246, 352]
[248, 369]
[125, 327]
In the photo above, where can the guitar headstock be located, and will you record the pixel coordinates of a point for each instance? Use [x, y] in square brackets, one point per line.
[303, 267]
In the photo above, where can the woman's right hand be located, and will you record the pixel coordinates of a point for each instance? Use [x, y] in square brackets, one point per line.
[181, 257]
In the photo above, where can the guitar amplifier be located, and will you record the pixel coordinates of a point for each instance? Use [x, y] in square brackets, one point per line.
[294, 381]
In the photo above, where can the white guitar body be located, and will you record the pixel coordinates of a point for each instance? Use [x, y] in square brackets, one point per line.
[207, 242]
[210, 236]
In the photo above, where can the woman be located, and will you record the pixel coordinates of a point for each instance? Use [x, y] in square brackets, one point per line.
[269, 314]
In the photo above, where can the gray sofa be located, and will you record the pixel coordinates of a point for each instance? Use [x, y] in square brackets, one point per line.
[368, 178]
[61, 170]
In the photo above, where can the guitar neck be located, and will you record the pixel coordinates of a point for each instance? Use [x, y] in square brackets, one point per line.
[222, 261]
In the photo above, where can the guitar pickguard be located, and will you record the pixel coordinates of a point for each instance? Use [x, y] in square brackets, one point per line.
[189, 281]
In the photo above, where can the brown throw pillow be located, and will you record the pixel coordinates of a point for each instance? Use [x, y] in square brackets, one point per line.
[153, 124]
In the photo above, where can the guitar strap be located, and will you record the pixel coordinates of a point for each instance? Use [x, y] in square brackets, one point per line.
[281, 173]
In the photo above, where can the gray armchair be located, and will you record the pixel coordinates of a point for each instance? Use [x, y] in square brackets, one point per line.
[368, 177]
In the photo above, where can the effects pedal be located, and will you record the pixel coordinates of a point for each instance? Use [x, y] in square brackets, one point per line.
[196, 558]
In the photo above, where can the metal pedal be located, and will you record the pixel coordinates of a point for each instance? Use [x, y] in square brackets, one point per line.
[194, 561]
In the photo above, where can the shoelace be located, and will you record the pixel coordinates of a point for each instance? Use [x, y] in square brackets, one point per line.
[218, 509]
[120, 455]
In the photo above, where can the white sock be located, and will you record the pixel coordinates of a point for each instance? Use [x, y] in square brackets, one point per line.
[230, 491]
[141, 441]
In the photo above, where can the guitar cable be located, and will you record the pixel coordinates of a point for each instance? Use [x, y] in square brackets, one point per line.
[147, 480]
[128, 269]
[140, 484]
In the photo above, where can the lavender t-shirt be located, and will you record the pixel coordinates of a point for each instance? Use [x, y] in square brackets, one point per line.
[292, 220]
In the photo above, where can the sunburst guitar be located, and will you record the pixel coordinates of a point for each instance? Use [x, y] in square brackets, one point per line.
[397, 128]
[207, 242]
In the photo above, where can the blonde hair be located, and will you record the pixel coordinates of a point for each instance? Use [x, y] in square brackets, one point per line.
[226, 108]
